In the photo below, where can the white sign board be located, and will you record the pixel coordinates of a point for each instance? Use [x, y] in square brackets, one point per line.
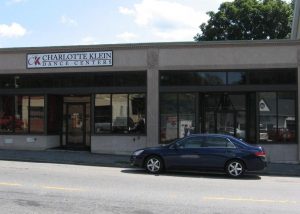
[76, 59]
[263, 106]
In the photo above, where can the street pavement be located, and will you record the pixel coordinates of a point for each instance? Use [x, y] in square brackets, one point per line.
[88, 158]
[28, 187]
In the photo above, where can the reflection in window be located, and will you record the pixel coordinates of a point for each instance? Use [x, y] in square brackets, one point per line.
[103, 112]
[277, 117]
[113, 115]
[267, 116]
[119, 113]
[168, 117]
[236, 78]
[177, 118]
[187, 114]
[214, 78]
[55, 113]
[6, 113]
[21, 114]
[226, 113]
[217, 142]
[241, 125]
[137, 107]
[287, 76]
[36, 114]
[67, 80]
[286, 117]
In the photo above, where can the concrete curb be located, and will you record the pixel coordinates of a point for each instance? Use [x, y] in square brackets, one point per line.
[121, 161]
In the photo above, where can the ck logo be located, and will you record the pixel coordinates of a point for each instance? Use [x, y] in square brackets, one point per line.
[33, 61]
[37, 60]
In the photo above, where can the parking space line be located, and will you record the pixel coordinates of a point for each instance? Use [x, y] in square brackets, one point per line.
[250, 200]
[61, 188]
[9, 184]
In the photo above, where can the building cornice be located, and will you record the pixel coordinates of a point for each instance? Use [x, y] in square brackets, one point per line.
[159, 45]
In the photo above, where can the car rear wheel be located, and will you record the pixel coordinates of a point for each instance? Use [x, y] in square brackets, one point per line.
[154, 164]
[235, 168]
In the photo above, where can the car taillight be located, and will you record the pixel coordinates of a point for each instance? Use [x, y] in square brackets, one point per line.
[260, 154]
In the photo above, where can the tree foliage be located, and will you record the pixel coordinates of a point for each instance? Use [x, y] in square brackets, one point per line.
[248, 20]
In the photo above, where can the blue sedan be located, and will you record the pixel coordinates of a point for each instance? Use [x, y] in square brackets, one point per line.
[213, 152]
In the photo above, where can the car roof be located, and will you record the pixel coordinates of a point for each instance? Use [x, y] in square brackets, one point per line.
[210, 135]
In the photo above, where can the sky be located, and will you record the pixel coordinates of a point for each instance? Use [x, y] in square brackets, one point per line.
[35, 23]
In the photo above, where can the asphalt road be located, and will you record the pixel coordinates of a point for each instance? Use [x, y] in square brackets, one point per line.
[61, 188]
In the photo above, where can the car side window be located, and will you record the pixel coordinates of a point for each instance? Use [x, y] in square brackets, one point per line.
[218, 142]
[190, 143]
[230, 144]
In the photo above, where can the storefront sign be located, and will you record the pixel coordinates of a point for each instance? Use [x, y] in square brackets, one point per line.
[76, 59]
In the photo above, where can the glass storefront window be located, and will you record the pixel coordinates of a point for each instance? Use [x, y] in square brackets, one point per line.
[137, 119]
[267, 116]
[187, 114]
[286, 117]
[55, 114]
[168, 117]
[103, 112]
[267, 77]
[67, 80]
[236, 78]
[119, 113]
[21, 114]
[237, 101]
[36, 113]
[6, 114]
[241, 125]
[178, 115]
[214, 78]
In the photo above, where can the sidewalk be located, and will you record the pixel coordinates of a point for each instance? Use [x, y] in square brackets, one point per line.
[66, 157]
[87, 158]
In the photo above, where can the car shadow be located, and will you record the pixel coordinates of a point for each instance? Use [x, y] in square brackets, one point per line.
[211, 175]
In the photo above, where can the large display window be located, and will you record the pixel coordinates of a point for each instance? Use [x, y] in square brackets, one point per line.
[120, 113]
[22, 114]
[264, 117]
[277, 119]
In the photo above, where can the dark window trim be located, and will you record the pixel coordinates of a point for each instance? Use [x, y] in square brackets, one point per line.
[226, 71]
[78, 90]
[233, 88]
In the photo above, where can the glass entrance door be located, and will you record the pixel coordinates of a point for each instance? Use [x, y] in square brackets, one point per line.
[225, 114]
[75, 124]
[226, 122]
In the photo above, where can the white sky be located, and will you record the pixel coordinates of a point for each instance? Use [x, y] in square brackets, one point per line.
[25, 23]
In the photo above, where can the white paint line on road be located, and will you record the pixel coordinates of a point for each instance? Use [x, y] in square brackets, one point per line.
[250, 200]
[9, 184]
[61, 188]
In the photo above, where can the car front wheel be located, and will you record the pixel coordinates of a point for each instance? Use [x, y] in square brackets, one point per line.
[154, 164]
[235, 168]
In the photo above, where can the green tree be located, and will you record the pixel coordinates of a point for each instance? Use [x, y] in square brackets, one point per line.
[248, 20]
